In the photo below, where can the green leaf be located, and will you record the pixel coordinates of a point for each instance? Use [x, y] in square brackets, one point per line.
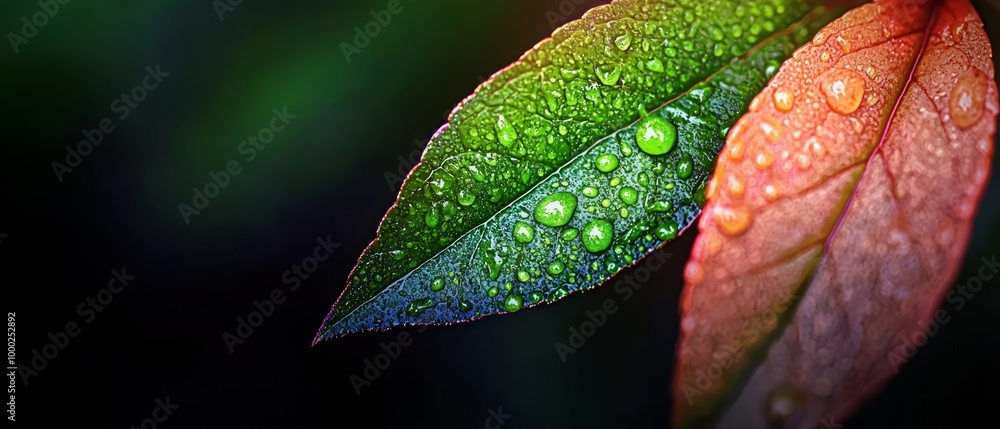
[553, 177]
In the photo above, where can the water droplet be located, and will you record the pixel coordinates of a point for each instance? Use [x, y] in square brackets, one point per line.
[735, 186]
[844, 90]
[845, 44]
[419, 306]
[609, 73]
[464, 305]
[734, 149]
[655, 135]
[732, 221]
[655, 65]
[556, 209]
[536, 296]
[771, 193]
[437, 284]
[642, 179]
[825, 56]
[784, 99]
[431, 218]
[607, 163]
[623, 41]
[685, 168]
[558, 293]
[466, 198]
[523, 276]
[523, 232]
[802, 161]
[569, 234]
[555, 268]
[597, 235]
[772, 130]
[493, 292]
[505, 132]
[659, 206]
[820, 38]
[968, 99]
[590, 192]
[513, 302]
[763, 160]
[628, 195]
[667, 230]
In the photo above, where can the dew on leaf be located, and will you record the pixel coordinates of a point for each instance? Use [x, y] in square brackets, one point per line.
[784, 99]
[523, 232]
[556, 209]
[597, 235]
[844, 90]
[513, 302]
[607, 163]
[569, 234]
[655, 135]
[628, 195]
[732, 221]
[968, 99]
[437, 284]
[667, 230]
[555, 268]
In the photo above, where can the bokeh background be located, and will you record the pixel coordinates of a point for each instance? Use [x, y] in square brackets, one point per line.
[324, 175]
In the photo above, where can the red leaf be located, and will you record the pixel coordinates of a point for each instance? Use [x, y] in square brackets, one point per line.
[838, 215]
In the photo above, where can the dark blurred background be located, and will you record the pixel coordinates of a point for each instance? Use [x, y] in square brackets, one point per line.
[323, 175]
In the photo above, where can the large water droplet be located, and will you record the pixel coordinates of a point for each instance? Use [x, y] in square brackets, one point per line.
[597, 235]
[784, 99]
[609, 73]
[628, 195]
[968, 99]
[732, 221]
[623, 41]
[523, 232]
[607, 163]
[466, 198]
[590, 192]
[513, 302]
[556, 209]
[655, 135]
[432, 217]
[844, 90]
[686, 167]
[437, 284]
[556, 268]
[505, 131]
[667, 230]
